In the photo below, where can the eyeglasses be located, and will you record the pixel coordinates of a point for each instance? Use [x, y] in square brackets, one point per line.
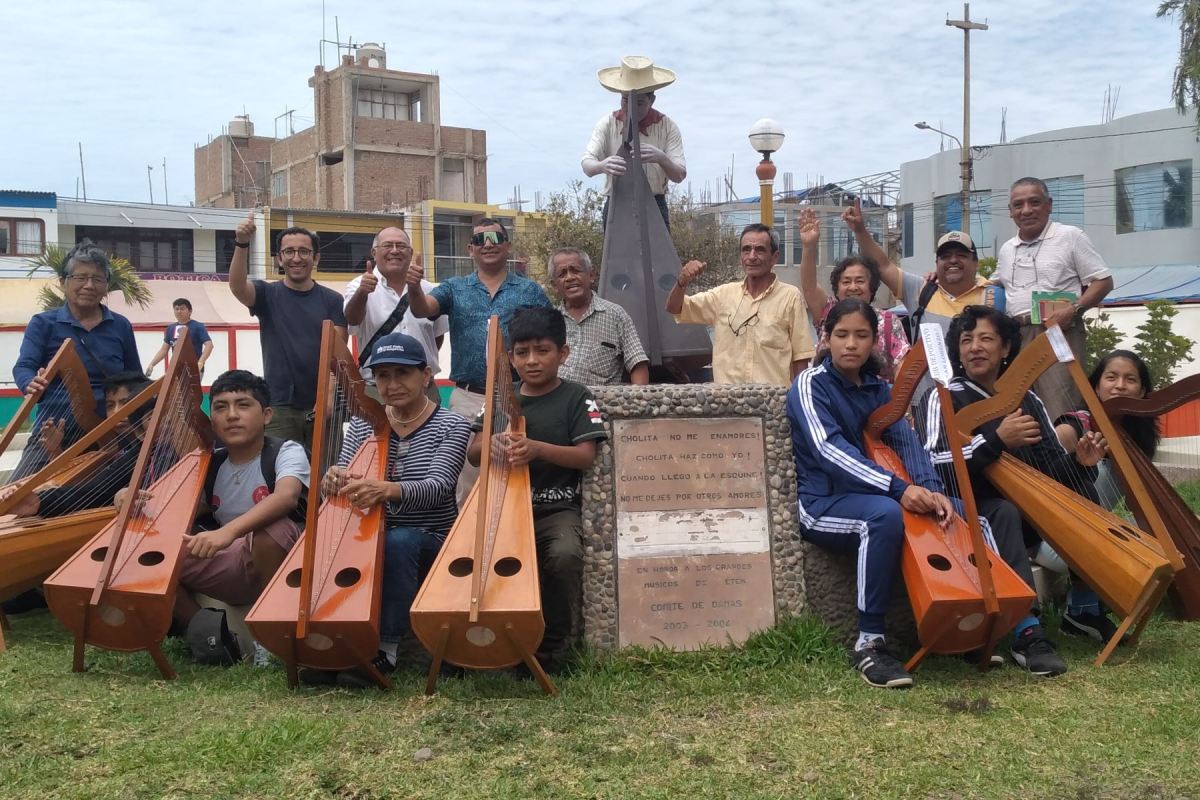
[492, 237]
[94, 280]
[292, 252]
[748, 322]
[389, 246]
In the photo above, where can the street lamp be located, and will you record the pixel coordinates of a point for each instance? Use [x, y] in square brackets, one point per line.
[965, 165]
[766, 137]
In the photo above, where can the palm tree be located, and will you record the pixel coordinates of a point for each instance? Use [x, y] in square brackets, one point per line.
[1185, 88]
[121, 278]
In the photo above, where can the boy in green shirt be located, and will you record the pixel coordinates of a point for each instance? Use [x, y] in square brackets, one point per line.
[562, 425]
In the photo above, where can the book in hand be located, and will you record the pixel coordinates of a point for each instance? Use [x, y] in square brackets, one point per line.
[1046, 303]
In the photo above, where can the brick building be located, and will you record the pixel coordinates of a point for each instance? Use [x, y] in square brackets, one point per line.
[377, 143]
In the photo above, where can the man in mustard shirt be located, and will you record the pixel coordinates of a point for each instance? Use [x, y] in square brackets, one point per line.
[760, 327]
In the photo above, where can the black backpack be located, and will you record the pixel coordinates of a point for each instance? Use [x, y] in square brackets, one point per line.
[270, 452]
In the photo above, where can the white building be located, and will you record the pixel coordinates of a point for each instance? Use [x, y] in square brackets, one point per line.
[1128, 184]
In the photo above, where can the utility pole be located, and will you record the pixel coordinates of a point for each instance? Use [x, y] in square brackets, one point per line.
[166, 197]
[150, 182]
[966, 25]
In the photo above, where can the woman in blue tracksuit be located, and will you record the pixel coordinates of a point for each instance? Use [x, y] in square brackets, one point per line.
[846, 500]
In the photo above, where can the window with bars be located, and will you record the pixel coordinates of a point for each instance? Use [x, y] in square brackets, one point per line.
[22, 237]
[382, 104]
[1153, 197]
[279, 184]
[147, 249]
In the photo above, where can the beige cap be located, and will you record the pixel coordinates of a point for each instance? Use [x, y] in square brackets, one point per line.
[956, 237]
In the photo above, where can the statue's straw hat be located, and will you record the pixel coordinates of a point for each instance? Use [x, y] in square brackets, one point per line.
[636, 74]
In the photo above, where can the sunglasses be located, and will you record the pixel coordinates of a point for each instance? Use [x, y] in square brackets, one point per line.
[489, 237]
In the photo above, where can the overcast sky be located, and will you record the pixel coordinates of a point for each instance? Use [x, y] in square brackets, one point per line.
[139, 81]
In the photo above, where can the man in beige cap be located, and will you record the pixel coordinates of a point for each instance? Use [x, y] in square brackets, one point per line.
[661, 143]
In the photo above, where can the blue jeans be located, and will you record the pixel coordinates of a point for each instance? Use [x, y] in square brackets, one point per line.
[403, 551]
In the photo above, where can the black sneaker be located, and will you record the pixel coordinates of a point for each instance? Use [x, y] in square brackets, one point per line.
[359, 678]
[316, 677]
[879, 667]
[1033, 651]
[1094, 626]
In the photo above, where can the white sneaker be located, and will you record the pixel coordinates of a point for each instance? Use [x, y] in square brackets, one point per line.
[262, 656]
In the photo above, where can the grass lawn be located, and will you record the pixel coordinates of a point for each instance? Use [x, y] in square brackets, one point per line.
[782, 717]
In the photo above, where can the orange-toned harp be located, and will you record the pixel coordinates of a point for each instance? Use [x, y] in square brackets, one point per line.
[118, 591]
[961, 600]
[32, 547]
[321, 609]
[1129, 568]
[1182, 523]
[480, 606]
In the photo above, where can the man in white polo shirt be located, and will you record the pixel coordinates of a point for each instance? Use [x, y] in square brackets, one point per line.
[1048, 256]
[371, 300]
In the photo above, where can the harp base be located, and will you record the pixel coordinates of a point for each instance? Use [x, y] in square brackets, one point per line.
[151, 646]
[4, 625]
[1138, 616]
[439, 652]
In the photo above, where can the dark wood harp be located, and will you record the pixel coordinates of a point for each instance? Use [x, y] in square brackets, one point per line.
[480, 606]
[321, 609]
[1129, 568]
[962, 598]
[640, 264]
[1182, 523]
[31, 547]
[118, 591]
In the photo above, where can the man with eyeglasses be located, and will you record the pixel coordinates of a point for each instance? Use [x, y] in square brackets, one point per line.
[376, 303]
[468, 302]
[1048, 256]
[661, 142]
[291, 312]
[760, 326]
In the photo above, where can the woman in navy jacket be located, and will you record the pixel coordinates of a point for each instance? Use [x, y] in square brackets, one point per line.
[846, 500]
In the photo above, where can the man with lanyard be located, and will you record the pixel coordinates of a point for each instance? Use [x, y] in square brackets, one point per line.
[661, 143]
[376, 303]
[602, 340]
[1048, 256]
[468, 302]
[760, 328]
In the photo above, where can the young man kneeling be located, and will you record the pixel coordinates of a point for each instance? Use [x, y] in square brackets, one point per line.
[255, 490]
[562, 426]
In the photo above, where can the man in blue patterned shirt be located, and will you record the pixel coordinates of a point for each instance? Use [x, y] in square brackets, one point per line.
[469, 302]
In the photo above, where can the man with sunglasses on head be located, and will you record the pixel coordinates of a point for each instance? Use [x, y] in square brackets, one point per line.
[661, 143]
[377, 303]
[760, 327]
[1048, 256]
[468, 302]
[290, 312]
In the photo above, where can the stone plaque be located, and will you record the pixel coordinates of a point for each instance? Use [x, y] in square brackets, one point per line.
[693, 531]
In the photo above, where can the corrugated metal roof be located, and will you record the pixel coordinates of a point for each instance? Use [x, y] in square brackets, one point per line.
[24, 198]
[1178, 282]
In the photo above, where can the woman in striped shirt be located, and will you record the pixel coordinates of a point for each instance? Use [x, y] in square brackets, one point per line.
[426, 450]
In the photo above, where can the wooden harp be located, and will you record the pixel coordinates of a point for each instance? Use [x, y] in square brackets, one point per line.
[480, 606]
[962, 598]
[321, 609]
[118, 591]
[1129, 568]
[31, 548]
[1182, 523]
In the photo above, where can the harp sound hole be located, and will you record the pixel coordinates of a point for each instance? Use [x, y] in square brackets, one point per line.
[112, 616]
[621, 282]
[1131, 532]
[461, 567]
[940, 563]
[318, 641]
[970, 622]
[150, 558]
[507, 567]
[99, 553]
[971, 558]
[480, 635]
[1120, 534]
[347, 577]
[293, 579]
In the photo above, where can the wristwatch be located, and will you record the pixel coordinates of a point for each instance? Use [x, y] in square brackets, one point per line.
[236, 243]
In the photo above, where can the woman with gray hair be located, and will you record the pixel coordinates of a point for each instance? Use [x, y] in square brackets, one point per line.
[103, 339]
